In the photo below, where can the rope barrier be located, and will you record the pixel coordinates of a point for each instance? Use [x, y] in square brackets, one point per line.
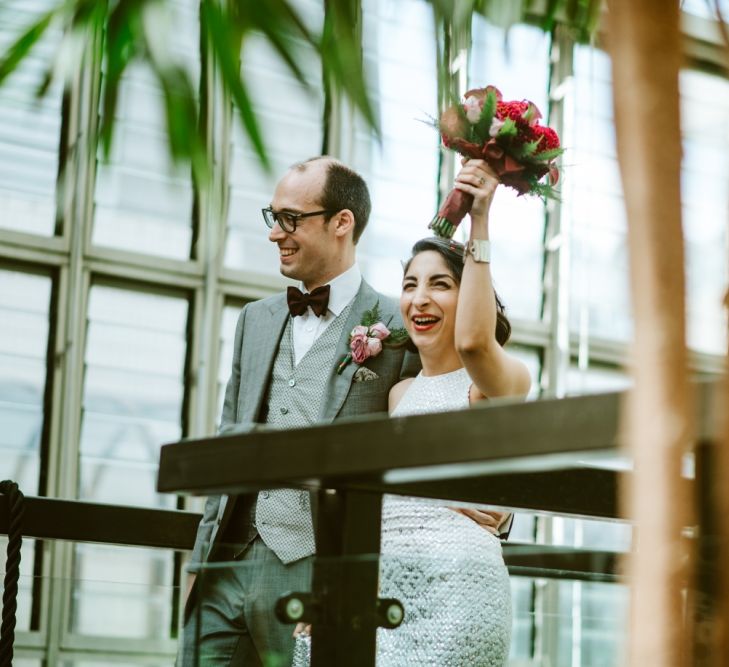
[16, 507]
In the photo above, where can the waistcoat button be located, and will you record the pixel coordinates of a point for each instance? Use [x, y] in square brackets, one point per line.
[292, 382]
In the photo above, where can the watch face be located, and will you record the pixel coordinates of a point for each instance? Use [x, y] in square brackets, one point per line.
[480, 249]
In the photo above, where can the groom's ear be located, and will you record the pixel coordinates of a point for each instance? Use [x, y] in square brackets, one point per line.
[344, 222]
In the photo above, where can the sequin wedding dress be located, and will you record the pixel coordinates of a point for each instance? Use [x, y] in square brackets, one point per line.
[448, 572]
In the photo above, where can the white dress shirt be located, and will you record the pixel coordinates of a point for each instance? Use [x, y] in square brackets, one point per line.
[308, 327]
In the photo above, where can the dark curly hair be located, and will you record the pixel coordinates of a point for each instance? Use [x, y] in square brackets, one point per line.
[452, 254]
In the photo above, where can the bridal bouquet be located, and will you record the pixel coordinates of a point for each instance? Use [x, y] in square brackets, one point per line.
[505, 134]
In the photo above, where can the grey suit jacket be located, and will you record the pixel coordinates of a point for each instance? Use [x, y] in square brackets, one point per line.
[257, 337]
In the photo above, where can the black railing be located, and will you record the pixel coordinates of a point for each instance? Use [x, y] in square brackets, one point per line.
[542, 455]
[77, 521]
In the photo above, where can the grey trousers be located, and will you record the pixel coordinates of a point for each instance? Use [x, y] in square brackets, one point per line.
[231, 622]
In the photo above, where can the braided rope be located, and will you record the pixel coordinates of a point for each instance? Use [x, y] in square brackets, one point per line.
[16, 507]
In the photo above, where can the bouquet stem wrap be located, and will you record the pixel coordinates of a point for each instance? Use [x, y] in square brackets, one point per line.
[453, 210]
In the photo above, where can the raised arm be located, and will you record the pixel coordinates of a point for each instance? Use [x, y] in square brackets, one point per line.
[493, 371]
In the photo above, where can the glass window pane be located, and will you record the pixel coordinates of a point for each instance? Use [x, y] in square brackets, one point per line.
[290, 118]
[518, 65]
[592, 621]
[522, 625]
[705, 196]
[122, 592]
[133, 392]
[132, 403]
[227, 338]
[705, 8]
[593, 206]
[102, 662]
[533, 360]
[29, 128]
[141, 203]
[402, 170]
[24, 313]
[595, 379]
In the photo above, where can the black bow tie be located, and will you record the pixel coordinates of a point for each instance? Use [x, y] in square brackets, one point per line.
[299, 301]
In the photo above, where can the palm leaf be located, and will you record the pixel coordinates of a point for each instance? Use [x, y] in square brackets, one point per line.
[225, 38]
[124, 36]
[342, 57]
[280, 24]
[25, 43]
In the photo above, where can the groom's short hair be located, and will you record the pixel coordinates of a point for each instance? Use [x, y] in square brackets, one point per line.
[343, 188]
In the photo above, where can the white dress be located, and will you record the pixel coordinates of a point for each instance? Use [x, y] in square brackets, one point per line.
[448, 572]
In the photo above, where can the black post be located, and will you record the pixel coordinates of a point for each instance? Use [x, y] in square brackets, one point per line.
[345, 579]
[703, 603]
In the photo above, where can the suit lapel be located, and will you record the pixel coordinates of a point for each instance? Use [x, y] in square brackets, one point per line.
[338, 385]
[259, 350]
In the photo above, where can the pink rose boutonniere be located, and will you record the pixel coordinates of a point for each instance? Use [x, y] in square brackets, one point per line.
[368, 339]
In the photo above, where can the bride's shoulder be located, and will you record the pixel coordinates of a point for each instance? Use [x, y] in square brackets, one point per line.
[397, 392]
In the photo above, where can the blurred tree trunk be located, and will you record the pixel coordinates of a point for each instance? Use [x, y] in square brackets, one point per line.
[720, 476]
[645, 47]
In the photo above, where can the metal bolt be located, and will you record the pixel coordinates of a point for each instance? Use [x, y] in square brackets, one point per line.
[394, 614]
[295, 609]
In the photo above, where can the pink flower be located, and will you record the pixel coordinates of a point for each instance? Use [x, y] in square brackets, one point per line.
[496, 125]
[374, 346]
[532, 114]
[359, 346]
[379, 330]
[472, 106]
[452, 124]
[359, 330]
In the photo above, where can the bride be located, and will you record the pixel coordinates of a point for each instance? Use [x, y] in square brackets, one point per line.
[446, 568]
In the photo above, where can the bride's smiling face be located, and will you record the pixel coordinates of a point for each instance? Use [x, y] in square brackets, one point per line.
[428, 300]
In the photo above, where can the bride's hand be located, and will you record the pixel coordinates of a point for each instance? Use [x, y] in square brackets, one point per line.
[302, 629]
[488, 519]
[479, 180]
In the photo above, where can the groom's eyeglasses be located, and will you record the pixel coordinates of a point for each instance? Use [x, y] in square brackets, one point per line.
[288, 221]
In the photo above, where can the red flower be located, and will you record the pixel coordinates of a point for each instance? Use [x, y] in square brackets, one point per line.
[513, 110]
[503, 150]
[549, 137]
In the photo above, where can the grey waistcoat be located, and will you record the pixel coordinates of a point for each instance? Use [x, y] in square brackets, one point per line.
[283, 516]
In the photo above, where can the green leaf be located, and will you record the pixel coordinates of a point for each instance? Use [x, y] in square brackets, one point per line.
[546, 156]
[528, 149]
[397, 338]
[371, 316]
[341, 54]
[550, 14]
[483, 126]
[24, 44]
[508, 129]
[278, 21]
[225, 39]
[124, 41]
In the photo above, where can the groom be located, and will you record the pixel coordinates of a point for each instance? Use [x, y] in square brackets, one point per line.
[286, 352]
